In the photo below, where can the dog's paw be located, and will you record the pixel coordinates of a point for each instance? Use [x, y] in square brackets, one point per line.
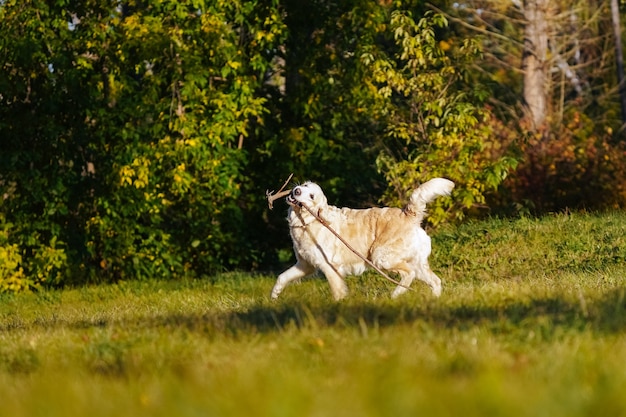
[437, 290]
[340, 293]
[276, 292]
[398, 292]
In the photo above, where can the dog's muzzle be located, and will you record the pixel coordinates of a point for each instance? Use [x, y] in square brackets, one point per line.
[291, 198]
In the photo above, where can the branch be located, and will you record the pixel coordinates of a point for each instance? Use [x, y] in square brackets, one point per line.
[474, 28]
[271, 197]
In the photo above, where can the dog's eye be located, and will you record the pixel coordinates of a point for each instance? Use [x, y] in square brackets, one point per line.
[312, 196]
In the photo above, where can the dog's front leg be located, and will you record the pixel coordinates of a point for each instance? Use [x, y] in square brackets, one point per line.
[338, 286]
[299, 270]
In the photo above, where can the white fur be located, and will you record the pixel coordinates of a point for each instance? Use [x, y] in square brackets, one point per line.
[391, 238]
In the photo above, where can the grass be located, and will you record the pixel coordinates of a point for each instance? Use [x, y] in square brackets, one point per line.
[532, 322]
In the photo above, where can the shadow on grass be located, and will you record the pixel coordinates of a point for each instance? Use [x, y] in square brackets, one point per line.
[604, 315]
[607, 314]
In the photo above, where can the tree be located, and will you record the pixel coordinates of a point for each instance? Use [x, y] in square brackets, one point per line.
[562, 49]
[619, 57]
[535, 60]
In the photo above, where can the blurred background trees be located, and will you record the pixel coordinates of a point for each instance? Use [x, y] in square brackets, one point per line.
[137, 138]
[551, 65]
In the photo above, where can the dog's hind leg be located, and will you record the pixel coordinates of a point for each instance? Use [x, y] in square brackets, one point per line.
[425, 274]
[300, 270]
[407, 275]
[419, 266]
[422, 272]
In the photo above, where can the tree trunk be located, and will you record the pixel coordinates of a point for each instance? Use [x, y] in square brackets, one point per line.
[619, 57]
[534, 62]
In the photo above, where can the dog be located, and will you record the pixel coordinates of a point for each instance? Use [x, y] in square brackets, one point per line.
[391, 238]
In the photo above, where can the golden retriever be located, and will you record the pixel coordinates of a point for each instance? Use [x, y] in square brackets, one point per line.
[391, 238]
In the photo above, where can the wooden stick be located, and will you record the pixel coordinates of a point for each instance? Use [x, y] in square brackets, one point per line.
[367, 261]
[271, 197]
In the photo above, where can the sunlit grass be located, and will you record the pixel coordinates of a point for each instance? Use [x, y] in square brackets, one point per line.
[532, 321]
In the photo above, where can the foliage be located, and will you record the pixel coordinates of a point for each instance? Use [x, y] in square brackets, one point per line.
[435, 123]
[576, 168]
[47, 264]
[121, 131]
[11, 272]
[507, 336]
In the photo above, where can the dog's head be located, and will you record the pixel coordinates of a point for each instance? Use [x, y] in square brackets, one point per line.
[309, 194]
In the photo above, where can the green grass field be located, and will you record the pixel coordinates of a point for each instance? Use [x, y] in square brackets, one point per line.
[532, 322]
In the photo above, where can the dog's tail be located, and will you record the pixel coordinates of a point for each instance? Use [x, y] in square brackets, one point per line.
[426, 193]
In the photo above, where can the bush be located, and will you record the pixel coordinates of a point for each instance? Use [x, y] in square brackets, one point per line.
[46, 264]
[575, 167]
[11, 272]
[121, 128]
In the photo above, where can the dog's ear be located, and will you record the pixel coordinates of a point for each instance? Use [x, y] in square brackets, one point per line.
[320, 198]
